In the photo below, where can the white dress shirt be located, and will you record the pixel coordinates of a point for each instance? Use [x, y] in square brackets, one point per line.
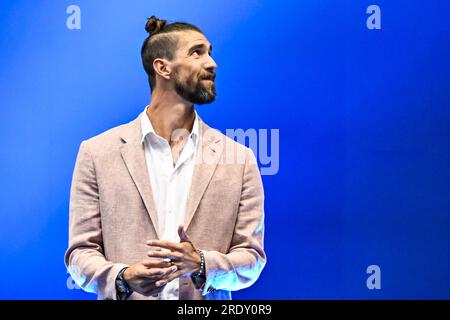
[170, 184]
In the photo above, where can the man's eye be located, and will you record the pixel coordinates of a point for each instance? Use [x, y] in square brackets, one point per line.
[196, 52]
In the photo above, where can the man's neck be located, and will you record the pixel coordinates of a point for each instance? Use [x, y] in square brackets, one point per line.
[168, 112]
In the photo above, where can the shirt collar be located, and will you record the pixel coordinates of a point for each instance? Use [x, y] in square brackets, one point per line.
[147, 127]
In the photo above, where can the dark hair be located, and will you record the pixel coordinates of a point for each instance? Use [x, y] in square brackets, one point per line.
[160, 43]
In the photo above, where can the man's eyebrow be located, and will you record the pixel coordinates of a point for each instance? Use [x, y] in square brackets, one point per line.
[199, 46]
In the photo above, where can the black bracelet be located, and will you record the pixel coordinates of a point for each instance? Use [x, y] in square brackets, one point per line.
[202, 263]
[199, 278]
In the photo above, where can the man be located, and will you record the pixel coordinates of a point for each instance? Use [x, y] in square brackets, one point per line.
[164, 207]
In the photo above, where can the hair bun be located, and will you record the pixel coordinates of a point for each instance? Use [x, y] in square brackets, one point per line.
[154, 25]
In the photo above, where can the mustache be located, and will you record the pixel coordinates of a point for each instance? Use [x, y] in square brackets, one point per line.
[209, 76]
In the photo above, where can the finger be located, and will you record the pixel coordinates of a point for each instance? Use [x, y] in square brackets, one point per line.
[165, 255]
[156, 286]
[170, 277]
[156, 263]
[165, 244]
[152, 290]
[182, 234]
[159, 273]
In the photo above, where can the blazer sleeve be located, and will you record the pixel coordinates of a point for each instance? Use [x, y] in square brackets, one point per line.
[242, 265]
[84, 257]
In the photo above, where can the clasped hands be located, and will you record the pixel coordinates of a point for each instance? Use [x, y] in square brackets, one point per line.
[167, 261]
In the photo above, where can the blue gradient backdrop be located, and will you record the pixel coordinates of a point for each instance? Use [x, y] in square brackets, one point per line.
[364, 119]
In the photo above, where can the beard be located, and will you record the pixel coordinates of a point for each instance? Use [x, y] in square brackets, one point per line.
[197, 90]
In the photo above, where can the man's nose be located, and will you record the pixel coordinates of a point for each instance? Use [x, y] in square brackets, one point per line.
[211, 65]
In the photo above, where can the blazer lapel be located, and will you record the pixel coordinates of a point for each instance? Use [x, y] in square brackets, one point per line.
[208, 154]
[134, 157]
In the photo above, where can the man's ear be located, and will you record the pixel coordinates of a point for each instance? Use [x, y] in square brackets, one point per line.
[162, 67]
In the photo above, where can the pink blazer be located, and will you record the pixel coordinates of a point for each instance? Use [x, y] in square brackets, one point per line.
[112, 213]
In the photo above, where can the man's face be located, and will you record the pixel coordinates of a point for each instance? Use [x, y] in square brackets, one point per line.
[194, 70]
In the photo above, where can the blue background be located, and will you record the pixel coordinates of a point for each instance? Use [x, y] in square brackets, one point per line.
[364, 119]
